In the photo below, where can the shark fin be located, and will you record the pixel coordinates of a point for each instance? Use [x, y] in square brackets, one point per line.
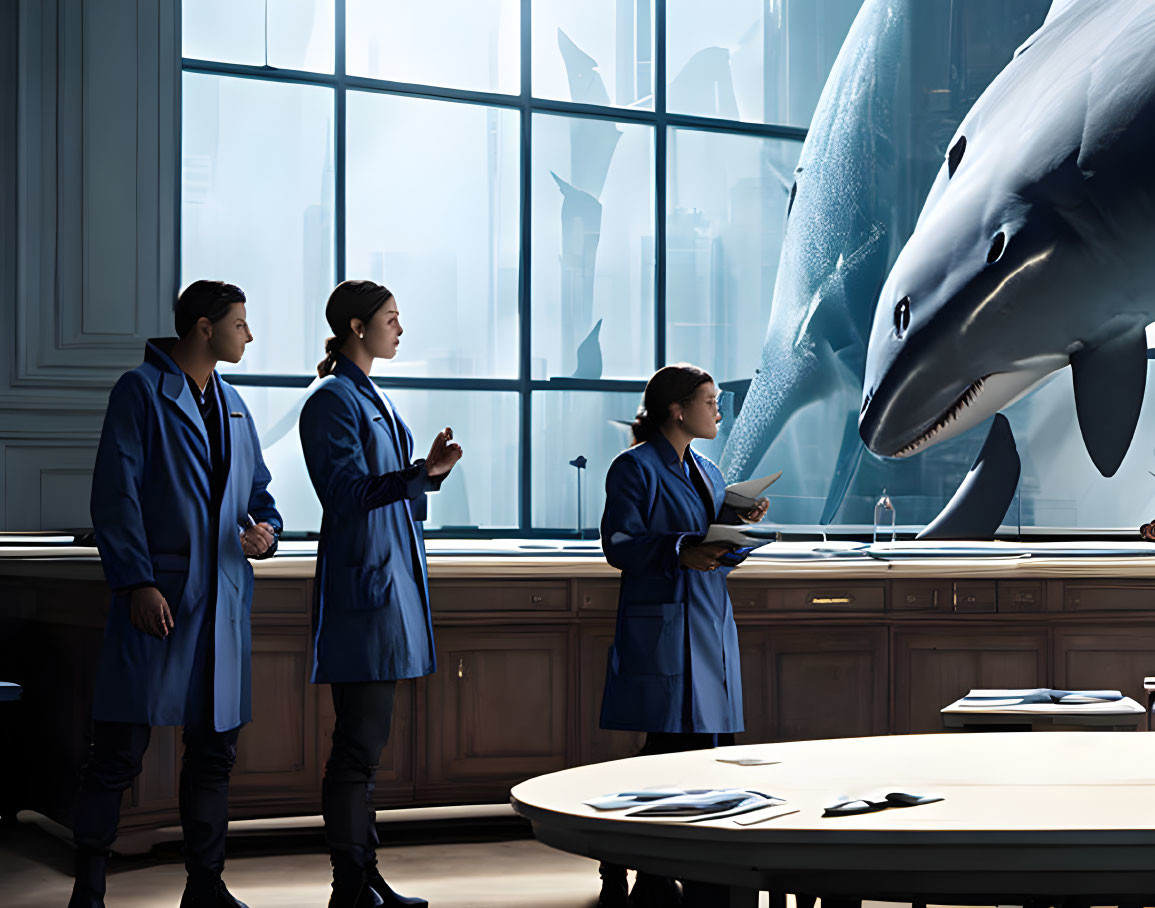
[1109, 380]
[981, 502]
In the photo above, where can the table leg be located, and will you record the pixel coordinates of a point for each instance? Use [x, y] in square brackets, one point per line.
[709, 895]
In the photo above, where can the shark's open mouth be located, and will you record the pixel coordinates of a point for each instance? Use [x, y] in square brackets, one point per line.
[965, 400]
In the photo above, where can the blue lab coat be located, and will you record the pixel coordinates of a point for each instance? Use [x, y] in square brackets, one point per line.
[371, 618]
[153, 520]
[673, 666]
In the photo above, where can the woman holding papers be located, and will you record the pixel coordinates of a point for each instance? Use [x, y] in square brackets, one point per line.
[371, 602]
[673, 669]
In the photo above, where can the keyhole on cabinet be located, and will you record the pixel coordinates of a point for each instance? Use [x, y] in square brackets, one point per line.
[461, 668]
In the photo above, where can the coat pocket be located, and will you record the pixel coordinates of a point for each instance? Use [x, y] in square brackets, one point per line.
[651, 639]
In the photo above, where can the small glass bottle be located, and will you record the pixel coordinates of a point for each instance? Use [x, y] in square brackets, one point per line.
[884, 519]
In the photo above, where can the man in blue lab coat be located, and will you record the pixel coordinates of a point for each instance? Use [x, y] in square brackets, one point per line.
[179, 500]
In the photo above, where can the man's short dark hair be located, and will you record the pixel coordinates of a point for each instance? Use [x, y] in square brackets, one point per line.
[204, 299]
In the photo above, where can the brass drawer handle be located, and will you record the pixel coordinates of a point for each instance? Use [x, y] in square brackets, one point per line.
[831, 600]
[461, 669]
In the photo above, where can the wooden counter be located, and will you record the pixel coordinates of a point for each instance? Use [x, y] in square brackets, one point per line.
[843, 648]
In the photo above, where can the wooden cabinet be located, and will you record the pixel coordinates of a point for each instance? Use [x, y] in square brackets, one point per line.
[1111, 658]
[521, 670]
[933, 667]
[275, 752]
[495, 712]
[815, 682]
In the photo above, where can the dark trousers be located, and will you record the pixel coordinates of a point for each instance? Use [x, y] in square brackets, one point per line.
[113, 761]
[364, 715]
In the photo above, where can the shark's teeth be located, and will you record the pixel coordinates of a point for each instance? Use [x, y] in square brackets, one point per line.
[966, 399]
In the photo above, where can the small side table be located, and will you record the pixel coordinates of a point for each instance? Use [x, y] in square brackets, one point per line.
[1043, 717]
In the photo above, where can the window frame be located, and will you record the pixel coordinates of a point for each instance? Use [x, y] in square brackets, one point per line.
[659, 119]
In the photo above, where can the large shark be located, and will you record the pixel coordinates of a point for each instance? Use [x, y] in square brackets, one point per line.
[1035, 248]
[894, 96]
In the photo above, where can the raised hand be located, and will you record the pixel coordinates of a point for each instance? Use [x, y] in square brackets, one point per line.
[443, 454]
[149, 612]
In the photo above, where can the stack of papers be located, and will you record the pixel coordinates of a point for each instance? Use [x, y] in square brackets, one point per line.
[1044, 700]
[677, 803]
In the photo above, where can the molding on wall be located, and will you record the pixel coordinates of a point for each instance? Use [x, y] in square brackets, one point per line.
[96, 207]
[88, 232]
[47, 484]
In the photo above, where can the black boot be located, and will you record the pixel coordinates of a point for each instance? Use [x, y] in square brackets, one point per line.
[208, 892]
[372, 892]
[652, 891]
[88, 890]
[615, 887]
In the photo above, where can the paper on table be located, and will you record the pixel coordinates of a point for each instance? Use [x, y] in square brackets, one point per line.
[743, 496]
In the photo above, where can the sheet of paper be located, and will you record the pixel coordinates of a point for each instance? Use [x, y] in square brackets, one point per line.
[753, 488]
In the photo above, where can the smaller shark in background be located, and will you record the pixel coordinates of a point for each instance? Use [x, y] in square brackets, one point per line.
[1035, 248]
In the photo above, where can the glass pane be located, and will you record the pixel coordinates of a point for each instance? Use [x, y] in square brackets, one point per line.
[726, 213]
[749, 60]
[482, 490]
[470, 44]
[432, 208]
[595, 52]
[286, 34]
[257, 208]
[593, 248]
[566, 425]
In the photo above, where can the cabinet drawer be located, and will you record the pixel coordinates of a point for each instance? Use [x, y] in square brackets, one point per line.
[831, 598]
[506, 596]
[1108, 597]
[975, 596]
[1021, 596]
[748, 597]
[281, 599]
[920, 595]
[599, 596]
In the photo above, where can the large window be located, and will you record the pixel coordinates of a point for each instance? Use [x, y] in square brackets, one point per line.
[562, 196]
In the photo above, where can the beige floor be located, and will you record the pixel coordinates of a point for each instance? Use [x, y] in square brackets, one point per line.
[519, 873]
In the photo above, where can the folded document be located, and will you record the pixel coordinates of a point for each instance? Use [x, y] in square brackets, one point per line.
[743, 496]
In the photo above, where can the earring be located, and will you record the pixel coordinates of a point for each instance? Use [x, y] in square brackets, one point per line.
[360, 336]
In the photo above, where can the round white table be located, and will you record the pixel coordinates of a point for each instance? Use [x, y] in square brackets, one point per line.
[1024, 817]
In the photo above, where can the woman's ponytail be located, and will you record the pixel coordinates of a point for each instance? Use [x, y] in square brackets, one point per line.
[329, 363]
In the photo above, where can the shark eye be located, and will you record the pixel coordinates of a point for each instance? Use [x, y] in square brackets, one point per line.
[955, 155]
[998, 244]
[902, 316]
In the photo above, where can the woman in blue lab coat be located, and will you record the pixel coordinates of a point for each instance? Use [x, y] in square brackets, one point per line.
[371, 617]
[673, 669]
